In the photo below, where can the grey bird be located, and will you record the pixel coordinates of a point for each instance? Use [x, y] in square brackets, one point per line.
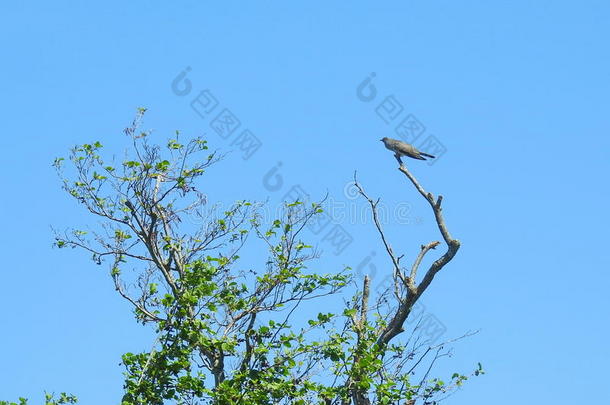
[401, 148]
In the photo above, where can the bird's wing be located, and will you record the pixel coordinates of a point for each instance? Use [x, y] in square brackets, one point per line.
[406, 149]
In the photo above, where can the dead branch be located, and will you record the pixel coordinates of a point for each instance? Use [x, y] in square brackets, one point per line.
[413, 290]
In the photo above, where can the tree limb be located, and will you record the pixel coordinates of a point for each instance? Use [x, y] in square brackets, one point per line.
[414, 291]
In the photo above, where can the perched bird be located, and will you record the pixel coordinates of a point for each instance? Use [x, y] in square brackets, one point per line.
[401, 148]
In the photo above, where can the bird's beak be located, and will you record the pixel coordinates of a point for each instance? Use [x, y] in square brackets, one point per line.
[381, 140]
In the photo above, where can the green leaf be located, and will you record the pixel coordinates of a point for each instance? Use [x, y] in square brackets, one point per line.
[131, 163]
[57, 162]
[173, 144]
[162, 166]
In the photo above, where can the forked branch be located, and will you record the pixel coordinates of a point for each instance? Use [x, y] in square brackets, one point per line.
[413, 289]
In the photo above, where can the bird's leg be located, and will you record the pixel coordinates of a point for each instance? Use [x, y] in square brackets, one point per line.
[397, 156]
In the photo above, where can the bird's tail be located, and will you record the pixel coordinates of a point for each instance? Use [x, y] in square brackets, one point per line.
[427, 155]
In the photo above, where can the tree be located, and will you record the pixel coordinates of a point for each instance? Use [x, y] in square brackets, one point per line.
[49, 399]
[235, 333]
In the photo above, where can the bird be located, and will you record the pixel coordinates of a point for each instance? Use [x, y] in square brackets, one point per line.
[401, 148]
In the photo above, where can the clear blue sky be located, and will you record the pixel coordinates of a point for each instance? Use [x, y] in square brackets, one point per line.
[516, 92]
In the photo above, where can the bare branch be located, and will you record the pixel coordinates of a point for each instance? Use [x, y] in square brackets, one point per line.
[373, 204]
[395, 326]
[420, 256]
